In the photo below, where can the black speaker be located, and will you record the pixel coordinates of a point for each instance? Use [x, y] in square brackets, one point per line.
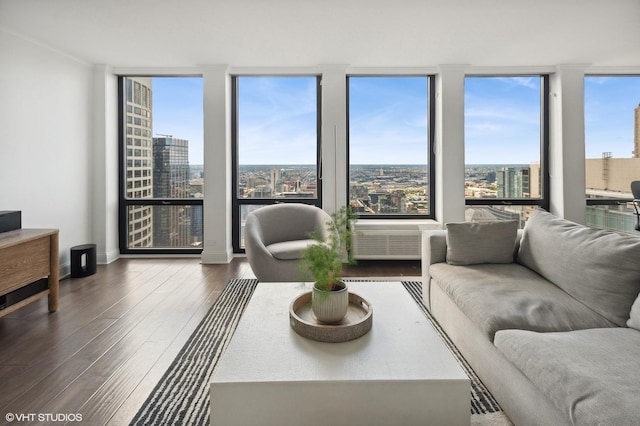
[83, 260]
[10, 220]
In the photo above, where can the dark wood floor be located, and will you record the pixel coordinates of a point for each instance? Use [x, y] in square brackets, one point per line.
[115, 333]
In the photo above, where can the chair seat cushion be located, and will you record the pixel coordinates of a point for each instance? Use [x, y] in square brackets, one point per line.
[289, 250]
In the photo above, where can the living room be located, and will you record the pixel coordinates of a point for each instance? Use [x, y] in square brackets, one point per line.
[59, 93]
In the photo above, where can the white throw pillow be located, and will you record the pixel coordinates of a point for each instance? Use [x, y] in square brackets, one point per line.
[634, 319]
[489, 242]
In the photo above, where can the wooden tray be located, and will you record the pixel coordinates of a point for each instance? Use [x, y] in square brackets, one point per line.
[355, 324]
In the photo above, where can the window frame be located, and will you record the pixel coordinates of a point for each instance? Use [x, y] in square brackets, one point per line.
[124, 202]
[236, 202]
[544, 200]
[431, 132]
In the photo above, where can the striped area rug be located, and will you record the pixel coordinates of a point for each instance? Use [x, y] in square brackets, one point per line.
[182, 395]
[481, 399]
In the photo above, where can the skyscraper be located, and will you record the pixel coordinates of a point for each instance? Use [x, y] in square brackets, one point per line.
[139, 159]
[171, 224]
[513, 182]
[276, 183]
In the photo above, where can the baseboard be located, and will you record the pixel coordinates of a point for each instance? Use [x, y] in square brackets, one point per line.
[216, 257]
[64, 270]
[105, 258]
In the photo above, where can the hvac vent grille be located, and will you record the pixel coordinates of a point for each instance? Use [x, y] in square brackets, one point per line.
[403, 244]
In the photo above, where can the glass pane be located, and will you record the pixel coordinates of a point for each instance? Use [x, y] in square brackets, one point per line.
[618, 218]
[502, 137]
[389, 145]
[245, 209]
[277, 141]
[612, 147]
[492, 213]
[164, 137]
[164, 159]
[177, 226]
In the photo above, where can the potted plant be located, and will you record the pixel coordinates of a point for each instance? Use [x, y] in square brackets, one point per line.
[324, 261]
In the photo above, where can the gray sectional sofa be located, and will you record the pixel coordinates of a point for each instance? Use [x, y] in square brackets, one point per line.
[548, 316]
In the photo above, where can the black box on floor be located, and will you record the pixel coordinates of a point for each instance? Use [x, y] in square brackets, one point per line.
[10, 220]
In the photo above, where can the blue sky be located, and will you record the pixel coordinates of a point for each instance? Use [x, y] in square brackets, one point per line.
[277, 120]
[609, 108]
[502, 120]
[388, 118]
[177, 111]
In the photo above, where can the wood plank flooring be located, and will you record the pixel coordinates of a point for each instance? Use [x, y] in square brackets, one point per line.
[115, 333]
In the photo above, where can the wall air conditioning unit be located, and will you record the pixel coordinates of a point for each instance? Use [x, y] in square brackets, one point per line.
[390, 239]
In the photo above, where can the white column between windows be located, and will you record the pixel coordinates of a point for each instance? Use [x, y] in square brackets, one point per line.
[566, 144]
[218, 246]
[334, 136]
[449, 144]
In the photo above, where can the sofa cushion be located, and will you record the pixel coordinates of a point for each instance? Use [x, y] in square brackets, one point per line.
[472, 243]
[590, 375]
[597, 267]
[503, 296]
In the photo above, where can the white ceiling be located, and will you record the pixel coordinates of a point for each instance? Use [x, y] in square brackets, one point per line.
[367, 33]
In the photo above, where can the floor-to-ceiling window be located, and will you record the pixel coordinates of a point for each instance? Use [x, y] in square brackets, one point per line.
[161, 164]
[276, 144]
[389, 146]
[506, 146]
[612, 150]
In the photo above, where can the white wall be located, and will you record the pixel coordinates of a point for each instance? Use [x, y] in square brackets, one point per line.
[45, 144]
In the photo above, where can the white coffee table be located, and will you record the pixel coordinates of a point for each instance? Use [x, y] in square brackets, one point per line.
[400, 373]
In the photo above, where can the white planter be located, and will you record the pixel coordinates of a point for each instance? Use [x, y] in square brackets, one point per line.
[330, 307]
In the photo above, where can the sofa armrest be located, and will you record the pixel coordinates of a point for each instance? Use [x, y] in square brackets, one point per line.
[434, 250]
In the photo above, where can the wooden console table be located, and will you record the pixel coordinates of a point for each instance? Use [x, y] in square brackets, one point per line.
[26, 256]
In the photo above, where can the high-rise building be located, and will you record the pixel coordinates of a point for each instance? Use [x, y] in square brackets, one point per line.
[535, 180]
[171, 224]
[170, 167]
[513, 182]
[139, 159]
[276, 183]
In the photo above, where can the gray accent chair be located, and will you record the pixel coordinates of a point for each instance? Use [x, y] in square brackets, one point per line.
[276, 235]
